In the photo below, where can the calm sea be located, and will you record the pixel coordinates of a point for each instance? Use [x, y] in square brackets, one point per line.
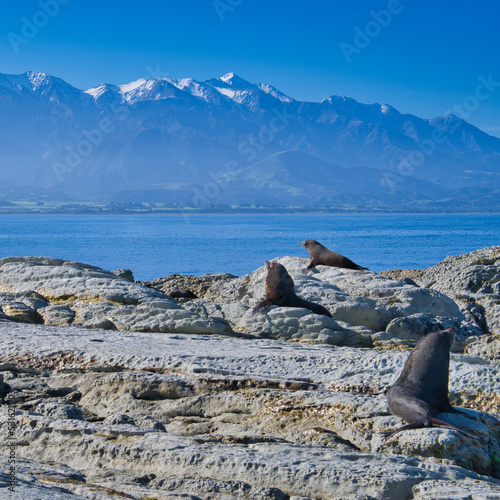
[154, 246]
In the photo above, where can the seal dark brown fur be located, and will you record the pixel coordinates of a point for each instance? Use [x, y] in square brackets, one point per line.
[280, 291]
[177, 293]
[320, 255]
[420, 393]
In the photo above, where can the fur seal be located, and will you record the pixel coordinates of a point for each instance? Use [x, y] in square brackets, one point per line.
[420, 393]
[320, 255]
[177, 293]
[280, 291]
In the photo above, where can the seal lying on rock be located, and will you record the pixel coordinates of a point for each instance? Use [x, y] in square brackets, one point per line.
[420, 393]
[177, 293]
[280, 291]
[320, 255]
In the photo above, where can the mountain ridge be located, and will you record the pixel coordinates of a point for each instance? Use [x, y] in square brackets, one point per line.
[96, 143]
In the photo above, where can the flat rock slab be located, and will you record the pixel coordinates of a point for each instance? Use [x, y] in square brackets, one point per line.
[257, 418]
[59, 292]
[369, 370]
[35, 480]
[292, 469]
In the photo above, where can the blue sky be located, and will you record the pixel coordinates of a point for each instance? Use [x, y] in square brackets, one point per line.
[422, 57]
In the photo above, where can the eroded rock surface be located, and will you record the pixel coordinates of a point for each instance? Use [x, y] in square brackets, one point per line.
[220, 417]
[159, 401]
[198, 285]
[57, 292]
[367, 308]
[472, 280]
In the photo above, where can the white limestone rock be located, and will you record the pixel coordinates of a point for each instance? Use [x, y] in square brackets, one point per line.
[486, 347]
[467, 489]
[39, 481]
[57, 315]
[96, 298]
[472, 280]
[86, 447]
[60, 410]
[362, 304]
[239, 415]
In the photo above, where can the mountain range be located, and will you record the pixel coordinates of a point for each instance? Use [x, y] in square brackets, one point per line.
[226, 141]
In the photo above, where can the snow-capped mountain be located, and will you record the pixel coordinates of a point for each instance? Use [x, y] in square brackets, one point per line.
[229, 141]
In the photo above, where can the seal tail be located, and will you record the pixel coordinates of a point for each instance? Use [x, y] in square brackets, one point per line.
[315, 308]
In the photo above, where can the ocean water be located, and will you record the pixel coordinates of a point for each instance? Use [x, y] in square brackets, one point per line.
[154, 246]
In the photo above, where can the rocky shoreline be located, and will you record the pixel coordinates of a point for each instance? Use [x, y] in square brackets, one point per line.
[112, 389]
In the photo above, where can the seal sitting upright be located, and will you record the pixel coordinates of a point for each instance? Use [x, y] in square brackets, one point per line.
[320, 255]
[420, 393]
[280, 291]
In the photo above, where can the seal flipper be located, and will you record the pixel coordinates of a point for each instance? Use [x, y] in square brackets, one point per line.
[413, 425]
[262, 305]
[435, 422]
[429, 422]
[311, 265]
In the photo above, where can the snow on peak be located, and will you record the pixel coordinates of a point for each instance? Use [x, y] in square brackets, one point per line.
[339, 99]
[240, 90]
[129, 87]
[234, 80]
[35, 76]
[38, 80]
[269, 89]
[227, 78]
[197, 89]
[385, 109]
[182, 83]
[153, 89]
[102, 89]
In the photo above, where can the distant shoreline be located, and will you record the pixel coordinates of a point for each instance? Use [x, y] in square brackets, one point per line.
[101, 209]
